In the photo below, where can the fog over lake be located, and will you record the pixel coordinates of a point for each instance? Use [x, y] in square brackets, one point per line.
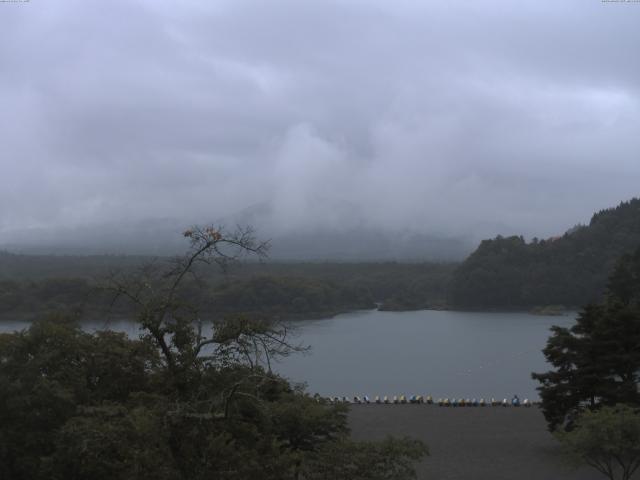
[441, 353]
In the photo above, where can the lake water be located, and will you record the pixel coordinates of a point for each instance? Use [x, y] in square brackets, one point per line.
[438, 353]
[443, 354]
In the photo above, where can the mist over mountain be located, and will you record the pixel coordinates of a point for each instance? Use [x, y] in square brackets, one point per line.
[343, 235]
[355, 245]
[423, 122]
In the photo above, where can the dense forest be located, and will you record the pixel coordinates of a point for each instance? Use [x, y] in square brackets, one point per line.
[572, 270]
[262, 296]
[31, 285]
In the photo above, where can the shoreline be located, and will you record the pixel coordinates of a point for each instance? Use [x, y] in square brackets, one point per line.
[22, 316]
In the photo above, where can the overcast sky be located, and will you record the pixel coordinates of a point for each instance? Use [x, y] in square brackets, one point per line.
[437, 116]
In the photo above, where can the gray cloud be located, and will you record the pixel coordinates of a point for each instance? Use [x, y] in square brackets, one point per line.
[456, 118]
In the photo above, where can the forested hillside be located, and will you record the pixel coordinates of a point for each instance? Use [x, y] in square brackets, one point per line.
[263, 296]
[572, 270]
[32, 285]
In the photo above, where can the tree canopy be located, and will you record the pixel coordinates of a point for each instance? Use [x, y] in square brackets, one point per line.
[597, 361]
[189, 399]
[607, 439]
[571, 269]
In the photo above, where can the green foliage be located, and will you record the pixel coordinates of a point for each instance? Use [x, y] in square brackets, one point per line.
[291, 291]
[608, 439]
[46, 373]
[596, 361]
[289, 296]
[52, 294]
[571, 270]
[75, 405]
[185, 401]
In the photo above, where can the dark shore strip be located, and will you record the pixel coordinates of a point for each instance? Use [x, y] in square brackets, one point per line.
[472, 443]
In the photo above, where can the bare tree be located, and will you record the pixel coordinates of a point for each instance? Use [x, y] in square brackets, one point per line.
[176, 326]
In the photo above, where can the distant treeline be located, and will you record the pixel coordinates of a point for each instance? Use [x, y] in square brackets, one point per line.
[28, 298]
[38, 267]
[503, 273]
[300, 290]
[572, 270]
[394, 286]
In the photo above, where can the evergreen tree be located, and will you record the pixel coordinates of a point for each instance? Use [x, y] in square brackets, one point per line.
[596, 361]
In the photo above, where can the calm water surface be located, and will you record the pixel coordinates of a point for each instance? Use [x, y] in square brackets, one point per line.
[444, 354]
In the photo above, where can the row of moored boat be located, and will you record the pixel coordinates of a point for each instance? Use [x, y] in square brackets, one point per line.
[443, 402]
